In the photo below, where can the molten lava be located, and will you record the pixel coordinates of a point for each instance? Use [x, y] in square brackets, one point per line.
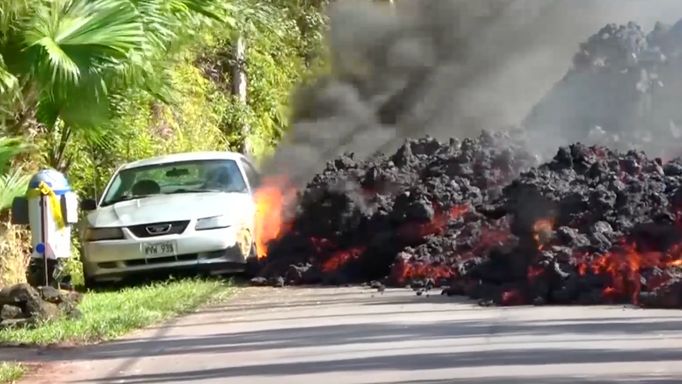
[542, 229]
[340, 258]
[609, 230]
[272, 198]
[434, 227]
[403, 271]
[512, 297]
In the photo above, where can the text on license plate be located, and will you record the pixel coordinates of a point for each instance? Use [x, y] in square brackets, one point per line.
[159, 249]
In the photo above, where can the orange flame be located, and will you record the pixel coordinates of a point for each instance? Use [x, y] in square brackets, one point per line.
[271, 200]
[541, 229]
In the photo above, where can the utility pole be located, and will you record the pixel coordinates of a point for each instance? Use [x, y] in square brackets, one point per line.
[240, 86]
[238, 71]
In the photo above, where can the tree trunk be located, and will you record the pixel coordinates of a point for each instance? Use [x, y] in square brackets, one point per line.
[239, 88]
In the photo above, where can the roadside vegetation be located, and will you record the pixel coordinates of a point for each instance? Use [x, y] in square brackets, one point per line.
[108, 315]
[11, 372]
[86, 85]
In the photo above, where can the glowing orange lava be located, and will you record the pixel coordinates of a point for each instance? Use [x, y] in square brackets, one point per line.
[623, 265]
[341, 258]
[436, 226]
[272, 198]
[541, 230]
[675, 263]
[403, 271]
[512, 297]
[534, 272]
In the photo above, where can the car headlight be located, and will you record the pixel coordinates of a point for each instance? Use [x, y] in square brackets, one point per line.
[96, 234]
[214, 222]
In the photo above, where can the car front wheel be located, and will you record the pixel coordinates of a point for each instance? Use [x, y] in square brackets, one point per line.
[253, 264]
[89, 282]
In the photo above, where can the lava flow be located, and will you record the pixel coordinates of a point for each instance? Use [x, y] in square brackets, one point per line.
[588, 225]
[609, 233]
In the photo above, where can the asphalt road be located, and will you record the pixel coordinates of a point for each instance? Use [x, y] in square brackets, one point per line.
[355, 335]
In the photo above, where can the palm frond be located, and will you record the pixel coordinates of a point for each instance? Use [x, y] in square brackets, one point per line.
[8, 82]
[9, 148]
[47, 112]
[68, 37]
[158, 23]
[12, 184]
[101, 137]
[13, 11]
[209, 9]
[82, 107]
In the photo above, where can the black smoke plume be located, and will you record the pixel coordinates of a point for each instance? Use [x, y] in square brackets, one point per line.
[442, 67]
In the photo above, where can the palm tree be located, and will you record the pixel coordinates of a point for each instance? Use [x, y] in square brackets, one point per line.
[64, 59]
[56, 55]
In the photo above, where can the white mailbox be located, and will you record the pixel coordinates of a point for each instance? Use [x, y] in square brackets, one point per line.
[50, 208]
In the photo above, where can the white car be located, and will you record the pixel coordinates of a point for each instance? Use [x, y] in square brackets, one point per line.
[182, 211]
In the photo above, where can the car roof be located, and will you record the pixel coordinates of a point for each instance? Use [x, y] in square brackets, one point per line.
[185, 156]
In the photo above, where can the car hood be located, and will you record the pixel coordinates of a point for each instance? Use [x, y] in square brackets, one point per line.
[162, 208]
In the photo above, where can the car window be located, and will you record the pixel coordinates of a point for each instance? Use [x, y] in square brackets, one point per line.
[171, 178]
[251, 173]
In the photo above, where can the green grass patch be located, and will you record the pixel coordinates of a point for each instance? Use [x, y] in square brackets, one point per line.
[11, 372]
[108, 315]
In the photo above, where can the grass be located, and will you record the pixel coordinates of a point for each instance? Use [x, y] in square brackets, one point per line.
[10, 372]
[108, 315]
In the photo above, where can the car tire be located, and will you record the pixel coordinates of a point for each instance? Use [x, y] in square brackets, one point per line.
[249, 254]
[253, 265]
[90, 283]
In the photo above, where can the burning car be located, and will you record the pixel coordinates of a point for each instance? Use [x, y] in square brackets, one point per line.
[181, 211]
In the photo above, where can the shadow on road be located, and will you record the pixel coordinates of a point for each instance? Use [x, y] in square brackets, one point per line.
[409, 362]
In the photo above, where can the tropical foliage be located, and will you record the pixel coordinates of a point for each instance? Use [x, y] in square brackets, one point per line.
[13, 181]
[90, 84]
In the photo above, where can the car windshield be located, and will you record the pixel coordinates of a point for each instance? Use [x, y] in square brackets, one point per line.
[171, 178]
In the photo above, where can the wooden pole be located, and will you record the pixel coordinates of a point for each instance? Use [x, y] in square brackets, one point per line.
[43, 230]
[240, 87]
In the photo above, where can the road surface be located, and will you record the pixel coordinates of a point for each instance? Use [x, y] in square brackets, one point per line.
[356, 335]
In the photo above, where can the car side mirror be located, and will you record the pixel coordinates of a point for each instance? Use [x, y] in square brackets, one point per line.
[89, 204]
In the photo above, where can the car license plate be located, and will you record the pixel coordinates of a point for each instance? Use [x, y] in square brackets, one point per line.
[159, 249]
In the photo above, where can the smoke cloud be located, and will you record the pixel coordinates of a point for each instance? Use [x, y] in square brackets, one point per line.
[446, 68]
